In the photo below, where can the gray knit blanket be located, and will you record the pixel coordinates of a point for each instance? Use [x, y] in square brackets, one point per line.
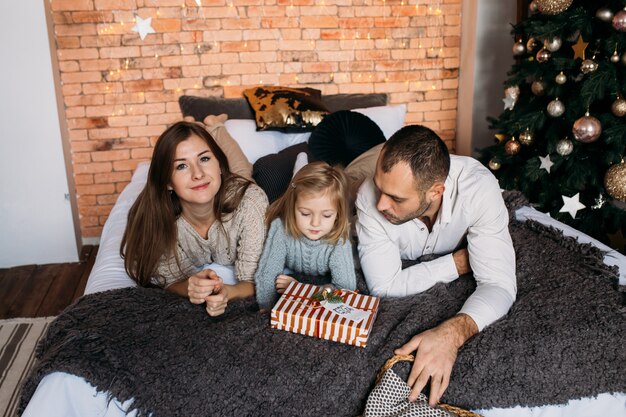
[562, 339]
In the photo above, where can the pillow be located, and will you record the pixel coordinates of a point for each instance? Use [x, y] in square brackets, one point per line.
[257, 144]
[201, 107]
[286, 109]
[273, 172]
[344, 135]
[361, 169]
[389, 118]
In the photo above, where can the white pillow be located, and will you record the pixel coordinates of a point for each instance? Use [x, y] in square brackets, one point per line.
[257, 144]
[389, 118]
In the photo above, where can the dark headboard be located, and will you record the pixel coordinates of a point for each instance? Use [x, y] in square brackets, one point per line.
[238, 108]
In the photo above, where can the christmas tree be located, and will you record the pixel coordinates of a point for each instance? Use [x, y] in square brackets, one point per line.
[562, 135]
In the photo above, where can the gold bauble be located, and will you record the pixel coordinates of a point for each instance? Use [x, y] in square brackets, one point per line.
[538, 88]
[561, 78]
[526, 137]
[494, 164]
[512, 147]
[615, 181]
[553, 7]
[619, 107]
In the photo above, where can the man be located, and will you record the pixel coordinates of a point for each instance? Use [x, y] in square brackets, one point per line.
[422, 201]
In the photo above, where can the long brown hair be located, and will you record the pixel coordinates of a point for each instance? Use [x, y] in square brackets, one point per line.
[151, 229]
[313, 178]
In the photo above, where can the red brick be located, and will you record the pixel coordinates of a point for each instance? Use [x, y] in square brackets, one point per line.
[128, 165]
[141, 153]
[59, 5]
[143, 85]
[107, 199]
[83, 179]
[92, 17]
[92, 168]
[112, 177]
[76, 29]
[95, 189]
[68, 42]
[116, 155]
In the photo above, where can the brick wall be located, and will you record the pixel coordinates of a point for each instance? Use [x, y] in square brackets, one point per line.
[120, 92]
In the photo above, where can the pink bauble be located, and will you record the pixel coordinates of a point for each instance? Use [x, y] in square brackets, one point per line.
[587, 129]
[619, 21]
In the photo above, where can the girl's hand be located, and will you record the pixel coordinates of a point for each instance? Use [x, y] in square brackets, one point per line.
[202, 285]
[282, 282]
[216, 303]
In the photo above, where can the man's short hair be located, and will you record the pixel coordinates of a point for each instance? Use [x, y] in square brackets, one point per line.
[423, 150]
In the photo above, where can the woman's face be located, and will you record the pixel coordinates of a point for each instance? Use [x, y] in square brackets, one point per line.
[196, 177]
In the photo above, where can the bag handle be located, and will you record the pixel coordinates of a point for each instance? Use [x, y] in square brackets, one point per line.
[457, 411]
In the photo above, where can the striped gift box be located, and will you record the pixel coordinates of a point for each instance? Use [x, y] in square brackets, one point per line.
[296, 312]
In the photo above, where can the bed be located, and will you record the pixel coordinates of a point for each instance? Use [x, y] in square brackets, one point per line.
[73, 395]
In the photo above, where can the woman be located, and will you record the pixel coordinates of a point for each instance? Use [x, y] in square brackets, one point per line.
[194, 211]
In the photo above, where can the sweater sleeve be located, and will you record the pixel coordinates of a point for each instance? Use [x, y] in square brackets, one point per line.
[251, 233]
[341, 266]
[271, 264]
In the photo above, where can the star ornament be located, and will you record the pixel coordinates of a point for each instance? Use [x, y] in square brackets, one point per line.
[571, 205]
[579, 48]
[509, 103]
[546, 163]
[143, 26]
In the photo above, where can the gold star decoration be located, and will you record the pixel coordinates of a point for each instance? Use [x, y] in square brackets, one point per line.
[579, 48]
[500, 137]
[617, 241]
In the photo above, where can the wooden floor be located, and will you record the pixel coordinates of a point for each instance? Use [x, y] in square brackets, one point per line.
[44, 290]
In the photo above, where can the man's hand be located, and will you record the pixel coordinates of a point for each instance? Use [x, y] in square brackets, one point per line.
[202, 285]
[282, 282]
[436, 351]
[461, 260]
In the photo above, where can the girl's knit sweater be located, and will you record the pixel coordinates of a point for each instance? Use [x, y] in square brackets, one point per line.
[304, 256]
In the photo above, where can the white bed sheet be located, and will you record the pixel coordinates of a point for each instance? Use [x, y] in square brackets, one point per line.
[61, 394]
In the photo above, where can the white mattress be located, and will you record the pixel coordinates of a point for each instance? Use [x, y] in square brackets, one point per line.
[63, 395]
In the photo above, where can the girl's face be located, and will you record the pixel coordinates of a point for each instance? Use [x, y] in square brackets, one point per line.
[315, 215]
[196, 177]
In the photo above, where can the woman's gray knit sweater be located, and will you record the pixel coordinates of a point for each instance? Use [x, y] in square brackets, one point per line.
[304, 256]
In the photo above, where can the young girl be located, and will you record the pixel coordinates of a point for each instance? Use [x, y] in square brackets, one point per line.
[308, 233]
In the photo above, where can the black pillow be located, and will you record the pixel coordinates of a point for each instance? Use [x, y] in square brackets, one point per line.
[273, 172]
[344, 135]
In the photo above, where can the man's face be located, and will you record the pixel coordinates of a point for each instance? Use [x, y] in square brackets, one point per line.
[399, 199]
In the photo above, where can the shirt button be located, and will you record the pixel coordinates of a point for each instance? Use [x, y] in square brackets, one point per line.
[422, 229]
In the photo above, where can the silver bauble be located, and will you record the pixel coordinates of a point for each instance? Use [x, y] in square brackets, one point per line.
[494, 164]
[538, 88]
[619, 107]
[530, 44]
[587, 129]
[556, 108]
[560, 78]
[564, 147]
[519, 48]
[615, 57]
[553, 7]
[588, 65]
[615, 181]
[619, 21]
[526, 137]
[543, 55]
[553, 44]
[605, 14]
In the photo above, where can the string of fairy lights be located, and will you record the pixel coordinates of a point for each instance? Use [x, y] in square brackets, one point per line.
[413, 52]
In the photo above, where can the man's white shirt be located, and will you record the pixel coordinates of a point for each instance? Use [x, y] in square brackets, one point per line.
[472, 208]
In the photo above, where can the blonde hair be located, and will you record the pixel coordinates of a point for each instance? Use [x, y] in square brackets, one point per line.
[314, 178]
